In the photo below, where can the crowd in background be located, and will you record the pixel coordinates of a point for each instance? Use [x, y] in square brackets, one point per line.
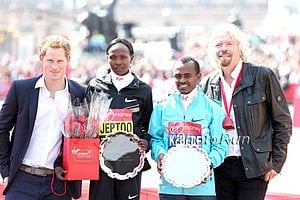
[279, 52]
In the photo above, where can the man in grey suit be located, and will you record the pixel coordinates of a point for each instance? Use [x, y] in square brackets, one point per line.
[31, 122]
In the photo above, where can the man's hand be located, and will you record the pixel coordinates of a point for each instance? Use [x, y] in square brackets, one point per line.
[209, 176]
[159, 163]
[59, 172]
[270, 175]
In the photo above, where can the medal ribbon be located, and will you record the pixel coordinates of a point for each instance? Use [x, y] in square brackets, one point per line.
[223, 93]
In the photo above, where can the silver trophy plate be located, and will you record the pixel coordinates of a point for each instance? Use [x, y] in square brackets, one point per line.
[120, 155]
[186, 166]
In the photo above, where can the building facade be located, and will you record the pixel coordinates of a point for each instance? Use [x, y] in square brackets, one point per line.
[24, 23]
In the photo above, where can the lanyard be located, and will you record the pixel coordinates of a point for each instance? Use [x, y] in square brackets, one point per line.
[223, 93]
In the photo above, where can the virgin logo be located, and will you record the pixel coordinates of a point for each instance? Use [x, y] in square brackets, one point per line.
[175, 127]
[119, 115]
[110, 115]
[82, 153]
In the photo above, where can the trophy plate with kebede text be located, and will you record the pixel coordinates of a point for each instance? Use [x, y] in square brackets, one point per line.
[186, 166]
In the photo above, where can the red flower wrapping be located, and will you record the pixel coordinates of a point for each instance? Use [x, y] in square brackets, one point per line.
[75, 127]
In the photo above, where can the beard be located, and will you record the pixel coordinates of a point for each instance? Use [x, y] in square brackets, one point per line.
[224, 60]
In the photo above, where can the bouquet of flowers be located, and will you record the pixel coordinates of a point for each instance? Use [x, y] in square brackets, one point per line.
[81, 144]
[83, 120]
[75, 124]
[99, 107]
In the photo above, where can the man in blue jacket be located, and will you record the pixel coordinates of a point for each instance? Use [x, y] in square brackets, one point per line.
[188, 105]
[31, 121]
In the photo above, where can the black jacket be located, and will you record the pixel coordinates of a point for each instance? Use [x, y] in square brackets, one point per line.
[262, 117]
[137, 96]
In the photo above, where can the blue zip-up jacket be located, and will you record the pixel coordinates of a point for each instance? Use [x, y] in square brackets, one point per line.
[203, 111]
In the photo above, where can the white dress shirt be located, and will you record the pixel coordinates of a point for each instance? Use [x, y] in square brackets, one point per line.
[46, 139]
[233, 148]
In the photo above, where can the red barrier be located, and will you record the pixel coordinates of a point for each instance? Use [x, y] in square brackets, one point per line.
[289, 92]
[296, 117]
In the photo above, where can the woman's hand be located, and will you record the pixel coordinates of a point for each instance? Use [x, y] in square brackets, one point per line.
[143, 144]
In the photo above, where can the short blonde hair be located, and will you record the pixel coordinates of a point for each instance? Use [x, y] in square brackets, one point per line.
[55, 41]
[236, 34]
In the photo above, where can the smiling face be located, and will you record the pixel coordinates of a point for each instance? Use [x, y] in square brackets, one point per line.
[186, 77]
[54, 63]
[119, 59]
[226, 51]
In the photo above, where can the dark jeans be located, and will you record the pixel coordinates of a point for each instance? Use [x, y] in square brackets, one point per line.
[184, 197]
[232, 183]
[28, 187]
